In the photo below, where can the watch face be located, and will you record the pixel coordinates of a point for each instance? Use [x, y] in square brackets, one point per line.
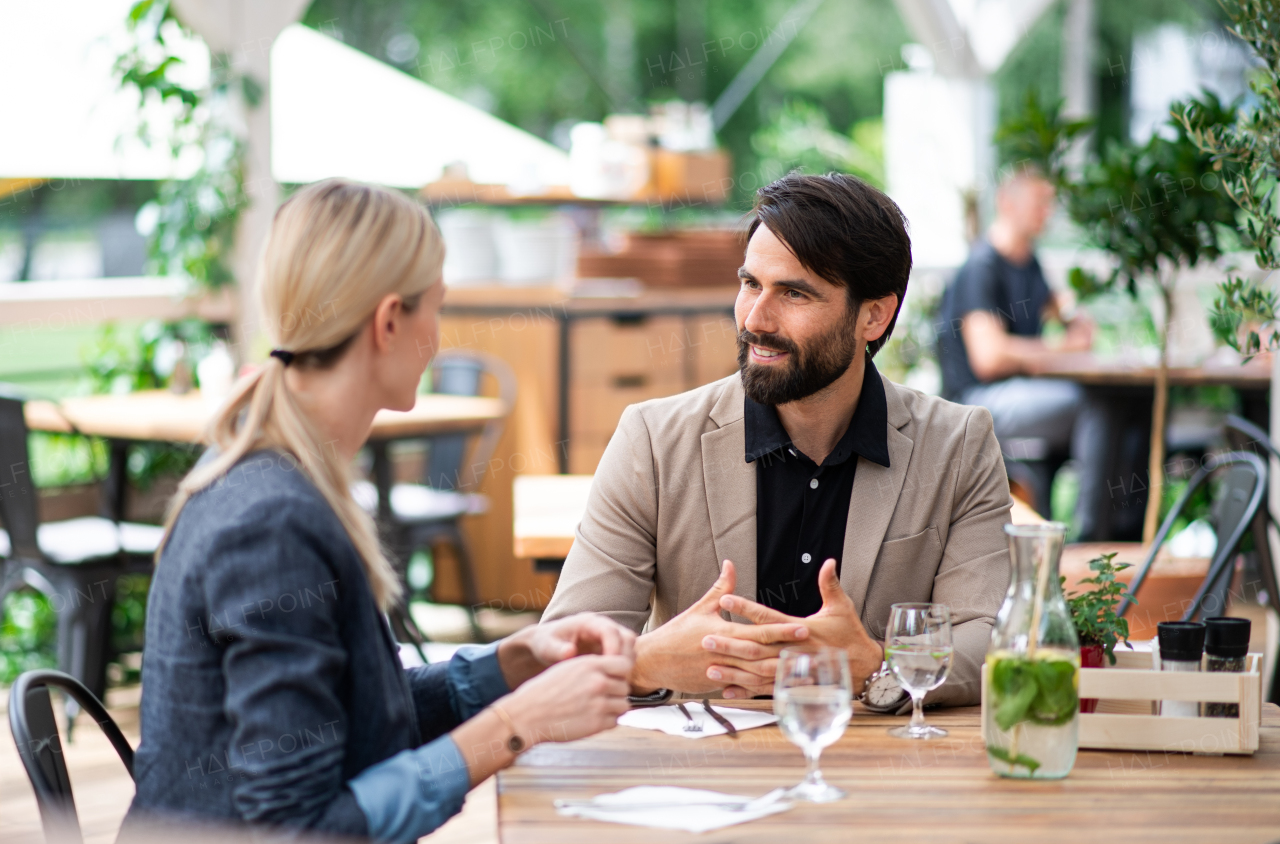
[884, 690]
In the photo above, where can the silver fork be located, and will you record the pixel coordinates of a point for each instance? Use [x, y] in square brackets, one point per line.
[693, 726]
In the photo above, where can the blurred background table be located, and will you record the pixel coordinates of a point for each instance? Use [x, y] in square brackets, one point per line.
[1092, 370]
[547, 511]
[160, 416]
[937, 791]
[1125, 392]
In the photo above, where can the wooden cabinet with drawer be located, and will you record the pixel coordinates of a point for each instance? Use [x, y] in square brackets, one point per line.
[624, 359]
[608, 348]
[580, 362]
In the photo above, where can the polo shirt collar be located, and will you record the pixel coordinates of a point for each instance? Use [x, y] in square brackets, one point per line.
[867, 435]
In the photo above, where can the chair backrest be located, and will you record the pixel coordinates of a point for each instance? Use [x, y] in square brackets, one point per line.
[1244, 486]
[1246, 436]
[35, 733]
[460, 373]
[1232, 514]
[19, 511]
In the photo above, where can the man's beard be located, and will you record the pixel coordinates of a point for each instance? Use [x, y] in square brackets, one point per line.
[807, 370]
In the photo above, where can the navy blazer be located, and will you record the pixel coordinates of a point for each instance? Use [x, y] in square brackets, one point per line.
[270, 678]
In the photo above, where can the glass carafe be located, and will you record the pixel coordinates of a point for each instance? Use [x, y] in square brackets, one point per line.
[1030, 710]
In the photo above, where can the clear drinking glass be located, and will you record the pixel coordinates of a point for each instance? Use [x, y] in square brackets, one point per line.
[918, 648]
[813, 699]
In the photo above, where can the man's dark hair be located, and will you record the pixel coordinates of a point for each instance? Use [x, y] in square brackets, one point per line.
[845, 231]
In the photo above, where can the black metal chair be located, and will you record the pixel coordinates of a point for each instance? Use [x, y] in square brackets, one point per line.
[1244, 435]
[1234, 510]
[75, 563]
[35, 733]
[420, 515]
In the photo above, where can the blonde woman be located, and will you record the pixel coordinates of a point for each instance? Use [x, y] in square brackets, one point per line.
[272, 690]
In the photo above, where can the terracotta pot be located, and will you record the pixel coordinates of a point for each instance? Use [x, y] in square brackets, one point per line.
[1091, 656]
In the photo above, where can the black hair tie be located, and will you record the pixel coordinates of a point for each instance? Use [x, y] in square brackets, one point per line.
[284, 357]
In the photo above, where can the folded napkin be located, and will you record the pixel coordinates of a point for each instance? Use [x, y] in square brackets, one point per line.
[670, 720]
[673, 807]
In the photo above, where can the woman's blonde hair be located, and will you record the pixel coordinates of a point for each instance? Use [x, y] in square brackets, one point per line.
[335, 250]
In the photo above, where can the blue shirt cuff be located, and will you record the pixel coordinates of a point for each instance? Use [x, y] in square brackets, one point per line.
[475, 679]
[413, 792]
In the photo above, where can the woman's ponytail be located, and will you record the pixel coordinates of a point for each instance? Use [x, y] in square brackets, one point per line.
[335, 250]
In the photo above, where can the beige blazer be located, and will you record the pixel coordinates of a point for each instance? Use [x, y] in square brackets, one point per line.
[674, 496]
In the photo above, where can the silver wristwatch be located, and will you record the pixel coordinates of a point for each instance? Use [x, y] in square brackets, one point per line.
[881, 692]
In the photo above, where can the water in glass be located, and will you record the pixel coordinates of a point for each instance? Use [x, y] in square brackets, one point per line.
[1030, 710]
[918, 649]
[920, 667]
[812, 698]
[815, 715]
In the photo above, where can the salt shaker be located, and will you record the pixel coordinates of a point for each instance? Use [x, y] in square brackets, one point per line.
[1181, 646]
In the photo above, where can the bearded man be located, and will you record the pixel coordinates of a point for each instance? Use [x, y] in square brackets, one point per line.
[793, 503]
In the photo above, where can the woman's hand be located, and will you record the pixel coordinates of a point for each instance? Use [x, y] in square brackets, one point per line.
[527, 653]
[572, 699]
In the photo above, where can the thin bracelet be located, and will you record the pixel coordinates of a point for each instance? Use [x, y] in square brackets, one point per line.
[515, 744]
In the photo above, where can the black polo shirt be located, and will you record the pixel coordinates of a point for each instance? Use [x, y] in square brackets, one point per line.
[802, 508]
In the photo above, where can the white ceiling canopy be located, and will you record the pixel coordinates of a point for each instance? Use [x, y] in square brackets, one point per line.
[335, 110]
[338, 112]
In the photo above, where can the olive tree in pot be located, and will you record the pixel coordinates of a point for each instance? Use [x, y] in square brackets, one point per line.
[1247, 314]
[1156, 208]
[1093, 612]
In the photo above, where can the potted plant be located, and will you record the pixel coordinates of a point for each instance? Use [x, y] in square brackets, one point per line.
[1156, 208]
[1246, 314]
[1094, 614]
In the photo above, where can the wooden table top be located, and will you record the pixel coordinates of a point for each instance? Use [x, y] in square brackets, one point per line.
[1089, 369]
[903, 791]
[161, 416]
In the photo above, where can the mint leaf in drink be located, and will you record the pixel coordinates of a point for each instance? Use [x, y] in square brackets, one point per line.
[1020, 760]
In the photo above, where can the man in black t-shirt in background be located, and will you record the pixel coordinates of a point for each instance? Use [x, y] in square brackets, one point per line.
[989, 329]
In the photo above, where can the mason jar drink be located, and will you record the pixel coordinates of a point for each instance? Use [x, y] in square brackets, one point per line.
[1031, 708]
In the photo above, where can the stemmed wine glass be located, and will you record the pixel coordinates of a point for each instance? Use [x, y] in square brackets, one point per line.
[812, 698]
[918, 648]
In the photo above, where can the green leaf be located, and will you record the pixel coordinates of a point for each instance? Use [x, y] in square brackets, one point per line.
[1012, 708]
[139, 10]
[1021, 759]
[1040, 691]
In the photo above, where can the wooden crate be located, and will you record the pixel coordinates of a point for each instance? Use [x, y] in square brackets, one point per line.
[1145, 731]
[1125, 731]
[692, 178]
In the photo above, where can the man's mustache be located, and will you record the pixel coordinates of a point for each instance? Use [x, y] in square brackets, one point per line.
[772, 342]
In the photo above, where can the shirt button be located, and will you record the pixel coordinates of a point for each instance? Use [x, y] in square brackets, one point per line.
[804, 558]
[813, 484]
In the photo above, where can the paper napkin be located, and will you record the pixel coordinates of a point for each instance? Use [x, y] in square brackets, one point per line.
[673, 807]
[670, 720]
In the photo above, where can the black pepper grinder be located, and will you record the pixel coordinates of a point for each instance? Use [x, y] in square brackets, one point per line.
[1226, 644]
